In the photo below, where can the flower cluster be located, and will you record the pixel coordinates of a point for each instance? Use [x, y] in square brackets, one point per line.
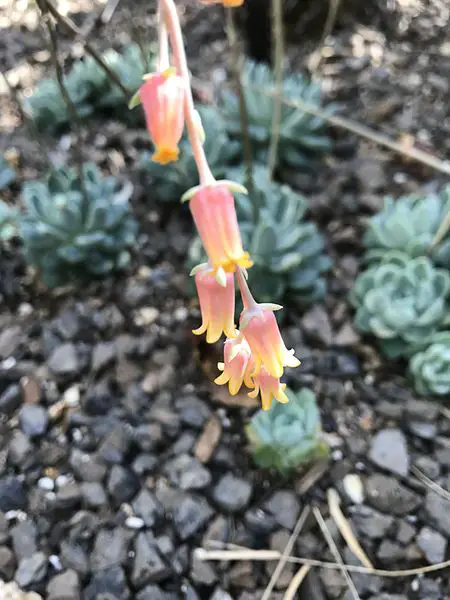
[255, 354]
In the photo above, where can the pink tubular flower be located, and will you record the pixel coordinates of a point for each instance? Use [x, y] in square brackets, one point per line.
[237, 366]
[214, 213]
[269, 387]
[162, 97]
[226, 3]
[216, 304]
[260, 327]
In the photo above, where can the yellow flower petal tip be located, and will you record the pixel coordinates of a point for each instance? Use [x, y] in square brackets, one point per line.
[164, 156]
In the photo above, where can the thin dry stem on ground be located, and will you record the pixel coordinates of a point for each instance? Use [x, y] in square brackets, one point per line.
[345, 528]
[283, 558]
[334, 549]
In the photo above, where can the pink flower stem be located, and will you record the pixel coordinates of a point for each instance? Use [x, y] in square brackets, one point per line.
[163, 42]
[246, 295]
[179, 55]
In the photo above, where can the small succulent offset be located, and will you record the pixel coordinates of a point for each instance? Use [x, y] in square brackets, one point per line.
[409, 225]
[8, 221]
[403, 301]
[172, 180]
[431, 368]
[302, 136]
[89, 88]
[287, 435]
[71, 230]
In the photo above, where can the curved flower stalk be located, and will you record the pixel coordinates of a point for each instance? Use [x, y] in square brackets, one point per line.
[256, 355]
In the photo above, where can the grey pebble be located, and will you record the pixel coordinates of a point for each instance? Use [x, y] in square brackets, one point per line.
[231, 493]
[389, 451]
[148, 566]
[33, 420]
[31, 570]
[64, 586]
[187, 473]
[433, 544]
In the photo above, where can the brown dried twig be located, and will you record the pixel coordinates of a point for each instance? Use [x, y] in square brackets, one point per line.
[278, 45]
[421, 156]
[74, 117]
[76, 31]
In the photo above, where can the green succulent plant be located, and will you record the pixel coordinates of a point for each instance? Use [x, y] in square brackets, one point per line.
[288, 252]
[403, 301]
[7, 173]
[172, 180]
[72, 231]
[89, 87]
[409, 225]
[8, 221]
[302, 136]
[287, 435]
[431, 367]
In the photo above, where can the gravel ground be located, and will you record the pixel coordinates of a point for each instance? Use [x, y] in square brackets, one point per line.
[117, 455]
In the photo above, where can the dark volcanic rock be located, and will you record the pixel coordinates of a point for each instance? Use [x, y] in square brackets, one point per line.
[31, 570]
[190, 514]
[7, 563]
[370, 522]
[110, 549]
[109, 584]
[390, 496]
[285, 508]
[232, 493]
[86, 466]
[147, 506]
[122, 484]
[64, 586]
[148, 566]
[187, 473]
[389, 451]
[64, 361]
[33, 420]
[10, 400]
[24, 539]
[12, 494]
[433, 545]
[438, 510]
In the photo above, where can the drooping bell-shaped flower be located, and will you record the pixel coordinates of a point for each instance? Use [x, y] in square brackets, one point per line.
[269, 387]
[260, 327]
[237, 366]
[162, 97]
[217, 303]
[214, 213]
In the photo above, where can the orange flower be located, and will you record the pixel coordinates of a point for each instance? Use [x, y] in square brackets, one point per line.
[216, 304]
[270, 388]
[162, 97]
[226, 3]
[214, 213]
[237, 366]
[260, 327]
